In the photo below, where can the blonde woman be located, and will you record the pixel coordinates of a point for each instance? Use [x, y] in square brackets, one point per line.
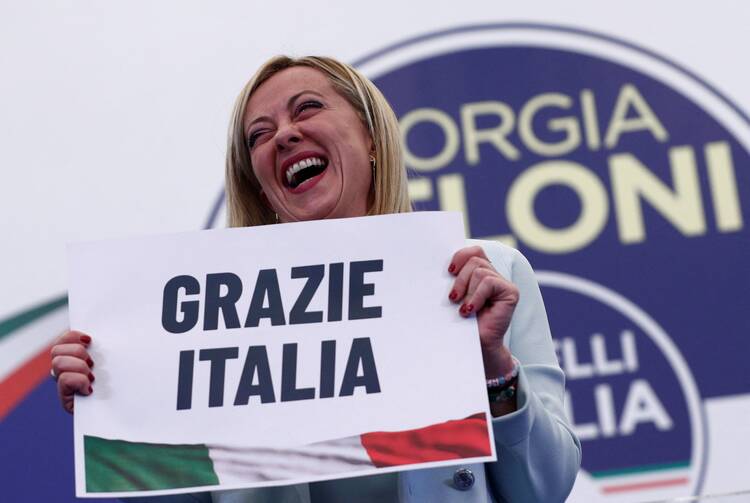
[311, 138]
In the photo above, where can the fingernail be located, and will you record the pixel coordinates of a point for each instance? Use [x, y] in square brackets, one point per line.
[85, 339]
[90, 362]
[91, 390]
[469, 308]
[91, 377]
[462, 309]
[452, 268]
[453, 295]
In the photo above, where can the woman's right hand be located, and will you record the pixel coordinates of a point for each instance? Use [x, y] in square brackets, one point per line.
[71, 365]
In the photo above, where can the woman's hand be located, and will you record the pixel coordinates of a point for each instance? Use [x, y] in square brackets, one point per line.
[71, 365]
[480, 289]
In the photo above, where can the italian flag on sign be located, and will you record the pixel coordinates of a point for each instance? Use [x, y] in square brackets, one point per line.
[120, 466]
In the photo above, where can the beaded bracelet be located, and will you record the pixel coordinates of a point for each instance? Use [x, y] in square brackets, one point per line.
[500, 382]
[503, 388]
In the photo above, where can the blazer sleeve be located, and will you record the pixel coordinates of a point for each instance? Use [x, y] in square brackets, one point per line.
[538, 453]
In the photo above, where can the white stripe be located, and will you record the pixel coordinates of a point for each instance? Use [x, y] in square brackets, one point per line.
[639, 477]
[255, 464]
[21, 345]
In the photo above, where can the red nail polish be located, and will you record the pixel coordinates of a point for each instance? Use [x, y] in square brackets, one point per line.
[91, 390]
[90, 362]
[85, 339]
[452, 268]
[462, 309]
[91, 377]
[453, 295]
[469, 308]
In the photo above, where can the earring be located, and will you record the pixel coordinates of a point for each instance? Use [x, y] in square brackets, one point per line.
[373, 163]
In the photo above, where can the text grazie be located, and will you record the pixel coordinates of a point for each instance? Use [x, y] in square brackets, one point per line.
[182, 298]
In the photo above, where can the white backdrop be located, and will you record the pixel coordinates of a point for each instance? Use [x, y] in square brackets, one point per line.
[114, 114]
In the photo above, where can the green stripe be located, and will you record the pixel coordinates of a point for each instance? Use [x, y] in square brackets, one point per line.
[641, 469]
[116, 465]
[17, 321]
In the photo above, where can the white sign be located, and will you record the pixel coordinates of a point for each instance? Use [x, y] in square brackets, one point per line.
[274, 355]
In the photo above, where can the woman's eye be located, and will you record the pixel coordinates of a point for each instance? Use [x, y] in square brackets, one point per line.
[308, 104]
[253, 138]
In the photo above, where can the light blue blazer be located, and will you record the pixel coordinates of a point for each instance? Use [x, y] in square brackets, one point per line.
[538, 453]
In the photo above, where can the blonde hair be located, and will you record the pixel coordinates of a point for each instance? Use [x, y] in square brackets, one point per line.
[244, 204]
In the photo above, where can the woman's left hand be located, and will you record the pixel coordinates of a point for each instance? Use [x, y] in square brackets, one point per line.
[480, 289]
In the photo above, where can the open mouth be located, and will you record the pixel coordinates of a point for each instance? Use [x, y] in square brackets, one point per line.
[303, 170]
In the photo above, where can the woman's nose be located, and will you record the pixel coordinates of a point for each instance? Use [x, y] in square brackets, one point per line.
[287, 136]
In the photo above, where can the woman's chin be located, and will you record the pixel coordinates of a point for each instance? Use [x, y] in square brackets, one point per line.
[322, 213]
[318, 212]
[322, 202]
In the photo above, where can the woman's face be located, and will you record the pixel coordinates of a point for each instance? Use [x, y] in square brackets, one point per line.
[309, 148]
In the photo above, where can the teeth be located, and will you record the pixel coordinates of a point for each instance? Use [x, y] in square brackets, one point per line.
[300, 165]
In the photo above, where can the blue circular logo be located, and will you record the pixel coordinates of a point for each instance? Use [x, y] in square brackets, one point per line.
[627, 174]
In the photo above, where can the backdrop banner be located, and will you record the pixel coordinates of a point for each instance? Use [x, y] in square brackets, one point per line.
[623, 178]
[275, 355]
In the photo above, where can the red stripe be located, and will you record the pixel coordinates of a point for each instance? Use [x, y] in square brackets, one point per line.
[21, 381]
[458, 439]
[645, 485]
